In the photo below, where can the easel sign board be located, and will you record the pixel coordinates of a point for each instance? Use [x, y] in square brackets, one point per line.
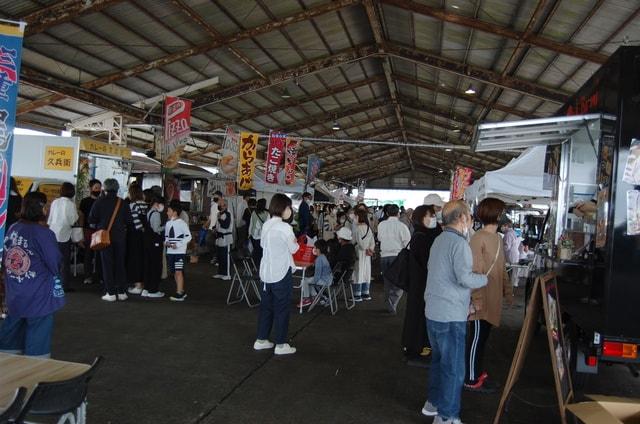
[544, 295]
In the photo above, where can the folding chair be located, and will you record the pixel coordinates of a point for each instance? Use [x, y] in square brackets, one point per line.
[64, 399]
[344, 285]
[332, 296]
[242, 283]
[14, 407]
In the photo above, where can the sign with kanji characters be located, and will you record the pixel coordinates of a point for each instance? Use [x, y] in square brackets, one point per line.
[313, 168]
[291, 154]
[461, 180]
[59, 158]
[275, 153]
[93, 146]
[177, 129]
[248, 150]
[11, 34]
[228, 163]
[362, 185]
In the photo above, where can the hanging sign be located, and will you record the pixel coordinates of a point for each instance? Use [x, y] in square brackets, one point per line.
[461, 180]
[275, 152]
[59, 158]
[362, 184]
[177, 129]
[10, 51]
[313, 168]
[228, 163]
[290, 160]
[248, 149]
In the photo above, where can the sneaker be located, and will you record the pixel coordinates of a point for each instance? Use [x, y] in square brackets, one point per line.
[122, 296]
[155, 295]
[134, 290]
[366, 297]
[356, 299]
[145, 293]
[426, 351]
[285, 349]
[429, 409]
[221, 277]
[225, 278]
[109, 297]
[440, 420]
[262, 345]
[483, 385]
[88, 280]
[178, 297]
[305, 302]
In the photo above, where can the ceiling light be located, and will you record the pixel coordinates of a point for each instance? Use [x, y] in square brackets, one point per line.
[440, 171]
[456, 130]
[470, 90]
[448, 149]
[285, 94]
[336, 126]
[455, 6]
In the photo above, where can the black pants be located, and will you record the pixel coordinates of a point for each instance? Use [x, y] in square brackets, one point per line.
[223, 260]
[257, 252]
[65, 266]
[92, 263]
[113, 267]
[152, 262]
[477, 335]
[135, 256]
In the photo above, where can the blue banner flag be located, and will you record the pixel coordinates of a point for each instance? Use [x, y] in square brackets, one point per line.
[11, 34]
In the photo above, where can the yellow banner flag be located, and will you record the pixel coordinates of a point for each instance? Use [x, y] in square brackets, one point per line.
[247, 163]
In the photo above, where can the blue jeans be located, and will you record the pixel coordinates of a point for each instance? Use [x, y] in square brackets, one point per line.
[447, 366]
[275, 307]
[28, 336]
[361, 289]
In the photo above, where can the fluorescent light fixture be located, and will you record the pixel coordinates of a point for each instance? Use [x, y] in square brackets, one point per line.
[285, 94]
[440, 171]
[448, 150]
[336, 126]
[456, 130]
[470, 90]
[455, 6]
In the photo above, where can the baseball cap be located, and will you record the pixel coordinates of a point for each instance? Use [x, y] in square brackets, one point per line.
[344, 233]
[433, 199]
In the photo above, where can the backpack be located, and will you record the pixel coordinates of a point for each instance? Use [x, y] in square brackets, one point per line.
[398, 272]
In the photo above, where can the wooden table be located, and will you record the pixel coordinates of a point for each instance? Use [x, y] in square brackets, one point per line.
[23, 371]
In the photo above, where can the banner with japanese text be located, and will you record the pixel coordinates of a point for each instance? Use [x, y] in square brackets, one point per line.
[461, 180]
[11, 34]
[313, 168]
[228, 163]
[248, 150]
[177, 129]
[291, 156]
[362, 184]
[275, 153]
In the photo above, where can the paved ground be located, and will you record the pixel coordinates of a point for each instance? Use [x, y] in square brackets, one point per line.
[194, 363]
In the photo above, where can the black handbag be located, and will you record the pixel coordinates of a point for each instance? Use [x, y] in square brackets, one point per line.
[398, 272]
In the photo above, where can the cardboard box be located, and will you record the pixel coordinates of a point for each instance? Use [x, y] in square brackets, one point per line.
[607, 410]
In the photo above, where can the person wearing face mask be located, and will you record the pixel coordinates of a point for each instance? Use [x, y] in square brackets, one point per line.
[447, 299]
[437, 203]
[224, 240]
[329, 223]
[414, 331]
[304, 213]
[212, 222]
[278, 245]
[153, 247]
[92, 266]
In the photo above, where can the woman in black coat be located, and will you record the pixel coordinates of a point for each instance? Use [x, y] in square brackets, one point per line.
[414, 331]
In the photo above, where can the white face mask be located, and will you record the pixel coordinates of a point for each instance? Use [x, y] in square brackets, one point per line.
[432, 222]
[439, 216]
[160, 208]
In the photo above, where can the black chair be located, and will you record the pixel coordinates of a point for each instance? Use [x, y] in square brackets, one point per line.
[12, 410]
[58, 398]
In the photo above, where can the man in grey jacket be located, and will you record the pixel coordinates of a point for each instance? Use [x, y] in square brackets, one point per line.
[447, 299]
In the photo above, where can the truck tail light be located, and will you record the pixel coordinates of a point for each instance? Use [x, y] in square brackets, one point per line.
[620, 350]
[592, 361]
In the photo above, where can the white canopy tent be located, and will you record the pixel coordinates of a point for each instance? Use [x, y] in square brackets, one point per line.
[521, 181]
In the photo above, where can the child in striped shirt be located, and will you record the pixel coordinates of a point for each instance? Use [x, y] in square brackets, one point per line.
[176, 237]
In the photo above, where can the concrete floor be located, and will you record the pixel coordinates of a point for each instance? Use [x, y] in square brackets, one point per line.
[193, 362]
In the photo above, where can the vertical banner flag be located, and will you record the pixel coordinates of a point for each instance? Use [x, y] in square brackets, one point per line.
[11, 34]
[248, 149]
[313, 168]
[228, 163]
[275, 152]
[177, 129]
[461, 180]
[362, 184]
[290, 160]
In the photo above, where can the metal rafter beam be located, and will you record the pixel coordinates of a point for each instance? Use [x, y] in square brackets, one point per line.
[474, 72]
[348, 110]
[357, 124]
[432, 121]
[369, 154]
[296, 102]
[440, 111]
[275, 78]
[492, 28]
[363, 168]
[330, 150]
[198, 49]
[460, 95]
[388, 171]
[62, 12]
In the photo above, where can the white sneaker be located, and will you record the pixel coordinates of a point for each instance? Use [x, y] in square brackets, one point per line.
[284, 349]
[109, 297]
[440, 420]
[262, 345]
[429, 409]
[220, 277]
[155, 295]
[134, 290]
[145, 293]
[123, 296]
[225, 277]
[88, 280]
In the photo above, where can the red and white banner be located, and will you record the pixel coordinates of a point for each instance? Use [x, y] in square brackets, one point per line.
[461, 180]
[177, 128]
[290, 160]
[275, 153]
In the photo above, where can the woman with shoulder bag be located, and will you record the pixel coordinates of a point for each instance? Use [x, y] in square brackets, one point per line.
[365, 245]
[486, 302]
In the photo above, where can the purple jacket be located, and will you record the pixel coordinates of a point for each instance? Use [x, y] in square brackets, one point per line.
[32, 262]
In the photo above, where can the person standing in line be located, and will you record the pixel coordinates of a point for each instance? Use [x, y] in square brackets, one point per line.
[113, 256]
[242, 227]
[511, 242]
[365, 245]
[224, 241]
[136, 254]
[329, 223]
[304, 214]
[447, 299]
[92, 265]
[176, 237]
[486, 302]
[407, 219]
[278, 244]
[259, 216]
[437, 203]
[34, 293]
[212, 222]
[414, 331]
[153, 247]
[246, 217]
[62, 215]
[393, 236]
